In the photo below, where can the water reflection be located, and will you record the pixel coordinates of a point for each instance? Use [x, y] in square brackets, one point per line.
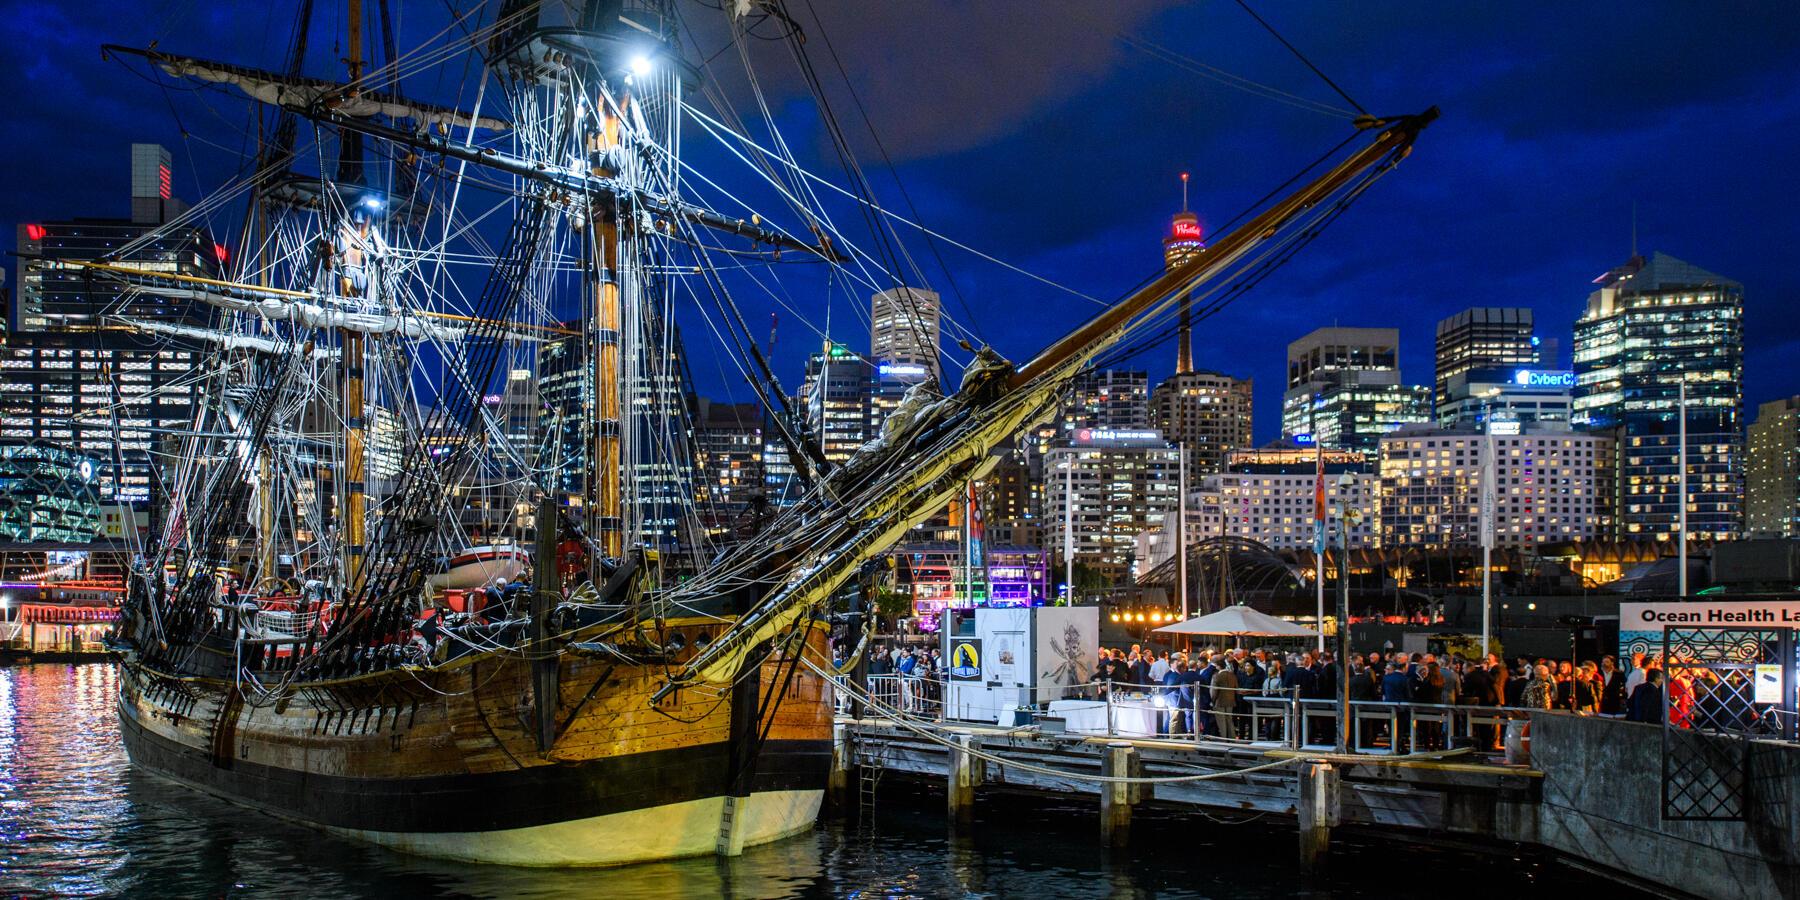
[75, 820]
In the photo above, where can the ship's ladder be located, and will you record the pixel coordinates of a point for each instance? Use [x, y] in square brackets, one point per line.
[868, 779]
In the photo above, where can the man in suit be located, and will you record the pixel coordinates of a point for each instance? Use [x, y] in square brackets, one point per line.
[1612, 687]
[1224, 700]
[1396, 687]
[1173, 695]
[1203, 693]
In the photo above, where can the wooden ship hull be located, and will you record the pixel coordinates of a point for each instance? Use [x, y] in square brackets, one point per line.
[446, 762]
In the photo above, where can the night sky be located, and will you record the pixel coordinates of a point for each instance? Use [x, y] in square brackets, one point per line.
[1037, 133]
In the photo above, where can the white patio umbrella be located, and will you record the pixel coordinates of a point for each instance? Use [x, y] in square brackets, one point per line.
[1239, 621]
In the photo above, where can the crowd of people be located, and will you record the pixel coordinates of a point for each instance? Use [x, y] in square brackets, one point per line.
[1211, 690]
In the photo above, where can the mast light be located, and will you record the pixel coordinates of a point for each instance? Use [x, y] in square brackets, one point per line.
[640, 65]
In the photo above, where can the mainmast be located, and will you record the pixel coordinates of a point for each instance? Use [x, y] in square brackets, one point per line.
[355, 440]
[606, 481]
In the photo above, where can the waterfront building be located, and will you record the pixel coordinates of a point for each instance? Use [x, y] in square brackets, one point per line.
[1207, 413]
[1484, 337]
[1273, 505]
[728, 438]
[1114, 485]
[1772, 478]
[1649, 327]
[903, 326]
[48, 494]
[1344, 389]
[1472, 397]
[937, 576]
[1109, 400]
[1548, 482]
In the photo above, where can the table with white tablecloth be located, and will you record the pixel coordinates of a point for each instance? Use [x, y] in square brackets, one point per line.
[1131, 716]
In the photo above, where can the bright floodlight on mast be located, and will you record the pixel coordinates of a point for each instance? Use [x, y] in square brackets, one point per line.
[640, 65]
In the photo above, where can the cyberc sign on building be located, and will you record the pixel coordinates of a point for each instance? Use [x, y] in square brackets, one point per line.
[1543, 379]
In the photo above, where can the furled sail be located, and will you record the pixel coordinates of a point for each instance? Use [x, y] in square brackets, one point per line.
[302, 94]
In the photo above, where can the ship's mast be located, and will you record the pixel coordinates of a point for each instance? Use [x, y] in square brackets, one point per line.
[606, 480]
[355, 498]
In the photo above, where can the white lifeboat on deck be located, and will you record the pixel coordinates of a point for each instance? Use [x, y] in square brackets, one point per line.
[480, 566]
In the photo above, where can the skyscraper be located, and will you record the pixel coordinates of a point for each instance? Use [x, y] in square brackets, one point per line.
[1180, 246]
[1772, 481]
[565, 424]
[76, 377]
[1344, 389]
[729, 440]
[1120, 486]
[1484, 337]
[903, 325]
[1112, 399]
[836, 397]
[1207, 413]
[1650, 327]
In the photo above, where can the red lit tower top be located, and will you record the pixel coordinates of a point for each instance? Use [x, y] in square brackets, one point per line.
[1183, 243]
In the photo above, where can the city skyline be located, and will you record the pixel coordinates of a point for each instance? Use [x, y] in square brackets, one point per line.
[1555, 174]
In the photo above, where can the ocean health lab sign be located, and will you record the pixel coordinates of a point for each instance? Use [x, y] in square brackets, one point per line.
[1641, 625]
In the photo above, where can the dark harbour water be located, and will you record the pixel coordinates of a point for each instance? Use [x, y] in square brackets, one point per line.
[75, 820]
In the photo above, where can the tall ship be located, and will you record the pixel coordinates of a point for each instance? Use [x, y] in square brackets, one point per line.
[430, 572]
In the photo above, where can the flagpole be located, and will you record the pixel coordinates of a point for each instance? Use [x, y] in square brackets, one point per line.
[1181, 527]
[1681, 477]
[1488, 504]
[1319, 536]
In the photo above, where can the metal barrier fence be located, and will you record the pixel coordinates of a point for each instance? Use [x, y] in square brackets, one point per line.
[1256, 719]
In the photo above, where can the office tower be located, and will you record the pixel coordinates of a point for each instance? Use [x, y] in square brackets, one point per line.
[1484, 337]
[1344, 389]
[1548, 483]
[1472, 397]
[565, 425]
[77, 377]
[1206, 413]
[729, 440]
[1009, 502]
[1113, 487]
[1650, 326]
[903, 325]
[836, 399]
[1772, 479]
[1108, 399]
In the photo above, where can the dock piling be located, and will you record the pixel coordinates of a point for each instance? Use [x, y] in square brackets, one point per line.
[1317, 812]
[1116, 797]
[965, 773]
[837, 785]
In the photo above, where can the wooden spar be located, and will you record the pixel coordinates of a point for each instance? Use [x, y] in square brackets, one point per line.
[1086, 340]
[283, 293]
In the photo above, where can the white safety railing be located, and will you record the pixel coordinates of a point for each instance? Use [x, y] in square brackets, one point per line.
[1246, 716]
